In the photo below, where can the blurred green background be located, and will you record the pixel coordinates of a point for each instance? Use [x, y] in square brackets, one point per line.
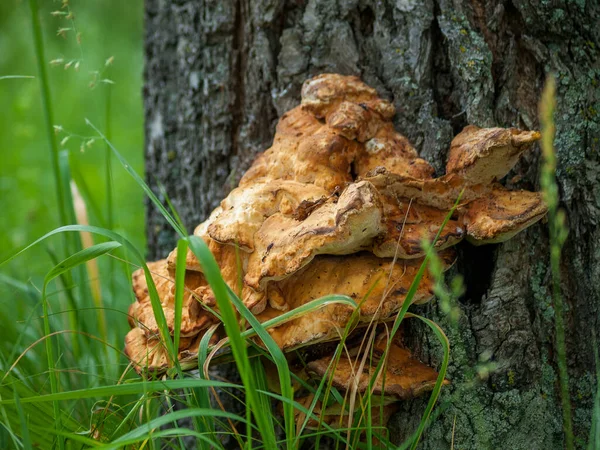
[28, 201]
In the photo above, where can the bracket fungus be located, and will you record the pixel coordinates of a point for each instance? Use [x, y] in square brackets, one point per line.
[340, 204]
[405, 376]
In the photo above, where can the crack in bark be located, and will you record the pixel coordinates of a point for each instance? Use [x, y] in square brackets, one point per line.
[238, 65]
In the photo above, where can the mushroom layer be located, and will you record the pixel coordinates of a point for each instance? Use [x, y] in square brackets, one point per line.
[403, 376]
[340, 204]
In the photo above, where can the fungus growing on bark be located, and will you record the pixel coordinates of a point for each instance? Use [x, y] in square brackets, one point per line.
[245, 209]
[408, 223]
[403, 376]
[149, 356]
[501, 214]
[340, 204]
[194, 318]
[485, 155]
[378, 285]
[285, 245]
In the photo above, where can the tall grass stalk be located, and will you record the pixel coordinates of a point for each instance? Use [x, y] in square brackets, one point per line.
[54, 380]
[558, 235]
[108, 159]
[16, 77]
[110, 216]
[63, 195]
[131, 388]
[430, 251]
[594, 438]
[238, 345]
[24, 424]
[61, 191]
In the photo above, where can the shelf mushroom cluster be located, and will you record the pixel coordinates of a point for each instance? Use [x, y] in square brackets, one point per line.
[340, 204]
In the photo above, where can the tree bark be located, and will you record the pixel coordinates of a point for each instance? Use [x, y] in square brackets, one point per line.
[220, 73]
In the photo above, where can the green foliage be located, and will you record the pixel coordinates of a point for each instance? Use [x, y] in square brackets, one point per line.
[558, 236]
[27, 181]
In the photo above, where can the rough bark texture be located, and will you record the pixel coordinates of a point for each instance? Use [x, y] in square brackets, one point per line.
[219, 73]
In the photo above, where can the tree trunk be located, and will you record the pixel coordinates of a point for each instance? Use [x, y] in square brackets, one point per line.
[220, 73]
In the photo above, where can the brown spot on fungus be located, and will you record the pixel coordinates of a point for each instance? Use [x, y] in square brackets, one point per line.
[408, 223]
[391, 151]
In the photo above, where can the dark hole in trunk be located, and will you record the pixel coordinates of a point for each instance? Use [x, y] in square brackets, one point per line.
[476, 263]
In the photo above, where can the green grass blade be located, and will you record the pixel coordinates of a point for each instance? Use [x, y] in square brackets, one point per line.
[558, 235]
[169, 404]
[411, 293]
[144, 430]
[176, 215]
[441, 336]
[202, 395]
[182, 233]
[71, 438]
[69, 285]
[39, 415]
[81, 257]
[419, 276]
[130, 417]
[260, 328]
[35, 297]
[17, 77]
[302, 409]
[80, 272]
[256, 365]
[107, 161]
[154, 299]
[24, 428]
[7, 426]
[276, 354]
[74, 240]
[238, 346]
[317, 395]
[137, 387]
[182, 247]
[47, 108]
[174, 432]
[69, 263]
[180, 271]
[61, 192]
